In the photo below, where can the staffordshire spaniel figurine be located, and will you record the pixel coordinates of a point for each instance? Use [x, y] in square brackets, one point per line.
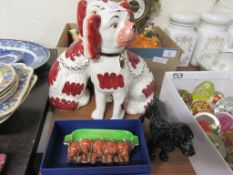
[106, 28]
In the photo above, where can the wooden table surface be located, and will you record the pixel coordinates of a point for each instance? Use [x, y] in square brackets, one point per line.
[178, 164]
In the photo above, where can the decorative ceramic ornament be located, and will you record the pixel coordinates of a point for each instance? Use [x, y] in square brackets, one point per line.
[218, 96]
[201, 106]
[210, 119]
[146, 39]
[226, 105]
[105, 146]
[74, 34]
[204, 91]
[186, 96]
[226, 120]
[166, 135]
[105, 28]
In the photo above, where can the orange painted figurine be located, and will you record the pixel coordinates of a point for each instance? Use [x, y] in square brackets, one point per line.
[147, 39]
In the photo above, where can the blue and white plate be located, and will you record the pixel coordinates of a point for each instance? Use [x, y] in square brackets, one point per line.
[24, 74]
[31, 54]
[4, 118]
[7, 76]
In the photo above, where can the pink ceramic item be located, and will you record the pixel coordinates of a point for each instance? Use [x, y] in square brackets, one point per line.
[106, 29]
[2, 161]
[226, 120]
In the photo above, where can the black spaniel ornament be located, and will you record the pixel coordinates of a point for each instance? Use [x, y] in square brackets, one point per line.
[166, 136]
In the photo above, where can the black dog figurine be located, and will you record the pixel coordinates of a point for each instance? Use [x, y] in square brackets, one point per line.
[166, 135]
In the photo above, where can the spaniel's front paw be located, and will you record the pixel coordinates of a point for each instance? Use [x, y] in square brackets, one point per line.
[116, 118]
[96, 115]
[119, 116]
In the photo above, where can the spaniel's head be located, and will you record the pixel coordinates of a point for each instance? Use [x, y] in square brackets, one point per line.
[105, 26]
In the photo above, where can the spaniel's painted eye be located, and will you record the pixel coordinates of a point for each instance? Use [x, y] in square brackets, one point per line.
[94, 11]
[114, 25]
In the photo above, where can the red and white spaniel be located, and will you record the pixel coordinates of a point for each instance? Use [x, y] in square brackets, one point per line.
[106, 29]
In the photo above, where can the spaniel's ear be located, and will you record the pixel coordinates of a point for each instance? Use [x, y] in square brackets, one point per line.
[81, 13]
[91, 36]
[126, 5]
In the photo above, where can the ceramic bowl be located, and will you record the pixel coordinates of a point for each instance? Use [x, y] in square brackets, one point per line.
[209, 118]
[214, 60]
[225, 119]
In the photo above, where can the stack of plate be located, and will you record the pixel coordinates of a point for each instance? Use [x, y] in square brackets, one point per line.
[16, 81]
[8, 82]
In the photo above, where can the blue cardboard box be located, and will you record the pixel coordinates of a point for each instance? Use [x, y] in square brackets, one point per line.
[160, 60]
[55, 161]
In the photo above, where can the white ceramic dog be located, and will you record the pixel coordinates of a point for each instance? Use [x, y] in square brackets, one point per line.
[106, 28]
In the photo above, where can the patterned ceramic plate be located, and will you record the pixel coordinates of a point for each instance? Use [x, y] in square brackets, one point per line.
[31, 85]
[3, 93]
[5, 117]
[7, 76]
[10, 92]
[24, 74]
[31, 54]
